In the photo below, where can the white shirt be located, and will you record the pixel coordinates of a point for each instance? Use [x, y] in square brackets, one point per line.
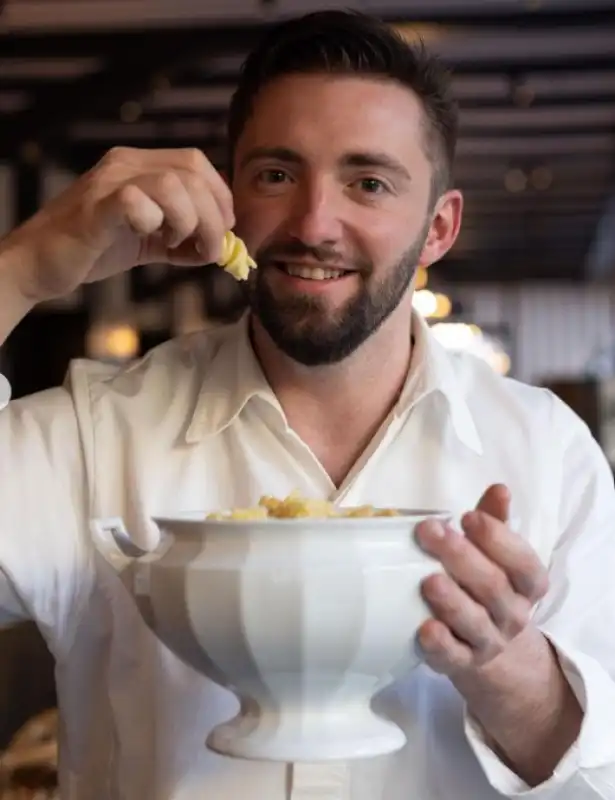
[194, 426]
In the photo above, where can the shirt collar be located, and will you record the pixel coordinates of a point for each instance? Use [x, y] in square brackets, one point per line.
[438, 373]
[234, 377]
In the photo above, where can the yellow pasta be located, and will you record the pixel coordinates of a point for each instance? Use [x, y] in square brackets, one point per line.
[235, 258]
[294, 507]
[259, 512]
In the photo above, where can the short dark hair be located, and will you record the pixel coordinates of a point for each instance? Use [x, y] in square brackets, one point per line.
[351, 43]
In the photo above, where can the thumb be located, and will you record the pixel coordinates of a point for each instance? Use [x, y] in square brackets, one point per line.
[154, 249]
[495, 502]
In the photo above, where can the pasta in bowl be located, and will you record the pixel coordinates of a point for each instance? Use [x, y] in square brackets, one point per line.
[297, 507]
[302, 609]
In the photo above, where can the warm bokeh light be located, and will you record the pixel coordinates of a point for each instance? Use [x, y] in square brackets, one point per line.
[443, 306]
[515, 181]
[425, 302]
[460, 336]
[421, 278]
[542, 178]
[430, 304]
[119, 342]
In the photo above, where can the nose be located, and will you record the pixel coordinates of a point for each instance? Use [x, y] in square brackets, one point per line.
[315, 217]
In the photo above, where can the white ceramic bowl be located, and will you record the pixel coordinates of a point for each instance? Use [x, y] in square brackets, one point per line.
[304, 619]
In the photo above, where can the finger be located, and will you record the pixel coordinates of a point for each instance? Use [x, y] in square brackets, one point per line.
[477, 575]
[140, 161]
[223, 196]
[510, 552]
[210, 223]
[185, 255]
[130, 205]
[168, 191]
[193, 161]
[495, 502]
[440, 650]
[148, 159]
[464, 617]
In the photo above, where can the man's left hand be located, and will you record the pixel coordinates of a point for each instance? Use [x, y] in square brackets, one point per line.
[492, 579]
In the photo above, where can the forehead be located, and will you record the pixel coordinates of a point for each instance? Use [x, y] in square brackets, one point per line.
[320, 115]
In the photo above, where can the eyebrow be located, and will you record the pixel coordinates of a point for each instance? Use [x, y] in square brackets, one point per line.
[359, 159]
[275, 153]
[377, 161]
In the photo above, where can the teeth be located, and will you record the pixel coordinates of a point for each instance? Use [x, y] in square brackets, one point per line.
[314, 273]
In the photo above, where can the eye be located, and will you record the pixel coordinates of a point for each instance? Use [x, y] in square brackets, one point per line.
[372, 186]
[272, 176]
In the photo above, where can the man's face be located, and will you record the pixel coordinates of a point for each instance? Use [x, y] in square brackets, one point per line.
[332, 190]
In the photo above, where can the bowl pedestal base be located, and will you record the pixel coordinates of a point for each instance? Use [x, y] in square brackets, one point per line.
[313, 734]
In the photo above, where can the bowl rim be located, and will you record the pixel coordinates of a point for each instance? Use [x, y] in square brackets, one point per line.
[404, 517]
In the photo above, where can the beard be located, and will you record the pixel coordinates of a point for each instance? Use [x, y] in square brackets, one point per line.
[304, 328]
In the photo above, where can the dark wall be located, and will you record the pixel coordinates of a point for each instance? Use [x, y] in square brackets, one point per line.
[26, 678]
[40, 348]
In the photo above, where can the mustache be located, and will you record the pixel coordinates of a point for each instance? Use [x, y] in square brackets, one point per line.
[282, 251]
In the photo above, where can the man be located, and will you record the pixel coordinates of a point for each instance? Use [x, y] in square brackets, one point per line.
[341, 143]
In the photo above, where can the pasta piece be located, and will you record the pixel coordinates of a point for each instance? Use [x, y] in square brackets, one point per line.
[235, 258]
[240, 513]
[360, 511]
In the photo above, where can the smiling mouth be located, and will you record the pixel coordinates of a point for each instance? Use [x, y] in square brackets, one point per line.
[310, 273]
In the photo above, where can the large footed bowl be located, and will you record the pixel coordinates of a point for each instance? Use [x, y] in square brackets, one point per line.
[305, 620]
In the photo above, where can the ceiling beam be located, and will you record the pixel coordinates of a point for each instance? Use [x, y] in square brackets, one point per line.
[218, 113]
[571, 127]
[486, 14]
[130, 75]
[543, 101]
[104, 43]
[579, 62]
[233, 38]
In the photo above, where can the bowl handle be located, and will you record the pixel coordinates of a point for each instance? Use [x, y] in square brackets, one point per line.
[114, 542]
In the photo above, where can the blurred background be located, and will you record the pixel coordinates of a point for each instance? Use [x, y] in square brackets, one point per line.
[529, 287]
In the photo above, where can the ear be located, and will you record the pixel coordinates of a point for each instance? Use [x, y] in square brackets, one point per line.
[444, 229]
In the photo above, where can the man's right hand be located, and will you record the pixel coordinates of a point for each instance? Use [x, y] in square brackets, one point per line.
[134, 207]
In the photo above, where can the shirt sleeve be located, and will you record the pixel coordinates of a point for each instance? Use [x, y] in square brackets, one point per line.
[44, 554]
[578, 617]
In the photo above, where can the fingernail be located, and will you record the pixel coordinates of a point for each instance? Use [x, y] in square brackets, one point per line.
[433, 529]
[418, 649]
[203, 252]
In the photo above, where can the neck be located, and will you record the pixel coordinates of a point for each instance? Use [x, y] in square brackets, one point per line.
[357, 393]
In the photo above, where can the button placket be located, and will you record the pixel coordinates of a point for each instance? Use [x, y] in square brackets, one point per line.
[318, 781]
